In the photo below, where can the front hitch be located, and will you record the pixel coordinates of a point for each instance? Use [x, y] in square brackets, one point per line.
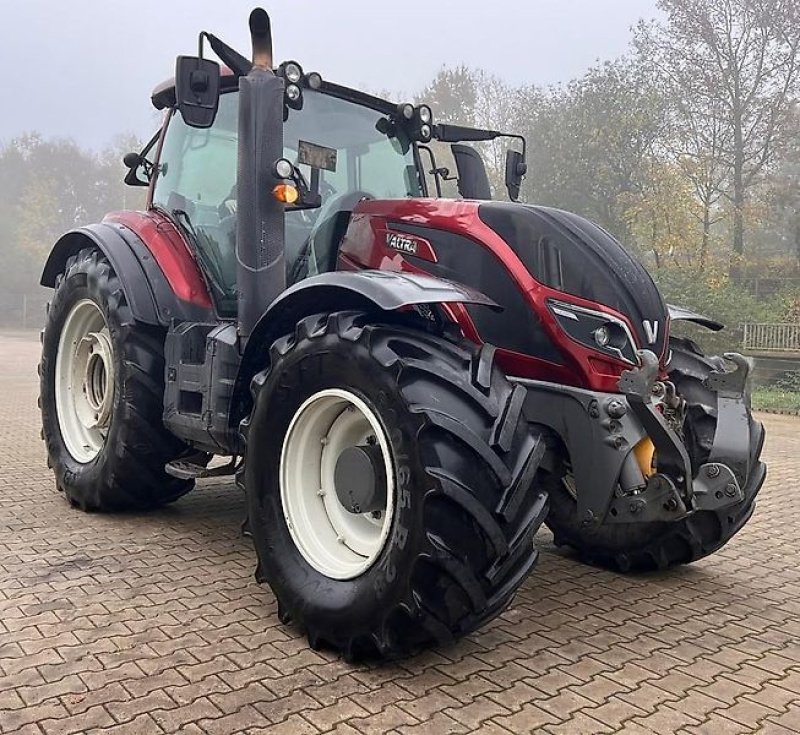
[717, 483]
[731, 444]
[602, 430]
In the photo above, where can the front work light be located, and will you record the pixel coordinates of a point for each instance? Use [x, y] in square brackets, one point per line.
[406, 111]
[292, 72]
[314, 80]
[284, 168]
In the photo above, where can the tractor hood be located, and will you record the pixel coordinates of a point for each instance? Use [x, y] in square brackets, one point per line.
[571, 254]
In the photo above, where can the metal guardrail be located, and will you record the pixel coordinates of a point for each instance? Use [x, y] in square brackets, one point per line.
[771, 337]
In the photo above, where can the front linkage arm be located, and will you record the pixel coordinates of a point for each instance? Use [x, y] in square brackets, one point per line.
[715, 485]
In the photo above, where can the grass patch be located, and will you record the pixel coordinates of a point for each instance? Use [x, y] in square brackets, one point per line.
[776, 399]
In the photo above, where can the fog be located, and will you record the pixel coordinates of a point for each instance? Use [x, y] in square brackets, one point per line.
[84, 69]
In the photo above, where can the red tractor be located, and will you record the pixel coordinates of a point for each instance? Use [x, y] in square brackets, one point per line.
[407, 386]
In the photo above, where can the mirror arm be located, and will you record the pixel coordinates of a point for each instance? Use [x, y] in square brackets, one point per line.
[435, 172]
[238, 64]
[522, 140]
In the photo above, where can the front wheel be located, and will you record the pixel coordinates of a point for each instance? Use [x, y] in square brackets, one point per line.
[390, 481]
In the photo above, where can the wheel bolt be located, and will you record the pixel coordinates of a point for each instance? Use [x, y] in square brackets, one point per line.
[712, 471]
[616, 409]
[730, 490]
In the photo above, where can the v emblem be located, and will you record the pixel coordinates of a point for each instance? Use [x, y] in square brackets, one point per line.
[651, 331]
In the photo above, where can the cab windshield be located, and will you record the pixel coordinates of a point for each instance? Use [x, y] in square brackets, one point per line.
[196, 183]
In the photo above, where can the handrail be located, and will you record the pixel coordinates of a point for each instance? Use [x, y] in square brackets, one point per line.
[771, 337]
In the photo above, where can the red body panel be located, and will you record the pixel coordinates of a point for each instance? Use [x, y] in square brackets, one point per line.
[364, 246]
[170, 251]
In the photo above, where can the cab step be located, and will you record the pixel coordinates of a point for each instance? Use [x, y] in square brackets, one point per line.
[195, 467]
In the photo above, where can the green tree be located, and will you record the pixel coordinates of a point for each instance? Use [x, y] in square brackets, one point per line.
[592, 141]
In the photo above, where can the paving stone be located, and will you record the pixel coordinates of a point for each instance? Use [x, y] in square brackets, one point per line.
[152, 623]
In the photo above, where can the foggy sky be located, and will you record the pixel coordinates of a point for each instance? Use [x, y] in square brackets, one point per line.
[84, 69]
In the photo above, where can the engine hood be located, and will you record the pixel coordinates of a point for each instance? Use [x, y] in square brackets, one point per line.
[571, 254]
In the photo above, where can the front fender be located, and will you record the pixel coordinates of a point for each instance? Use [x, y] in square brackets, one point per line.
[370, 290]
[124, 262]
[679, 314]
[388, 290]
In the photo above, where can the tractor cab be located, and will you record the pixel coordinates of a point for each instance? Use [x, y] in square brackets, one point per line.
[331, 141]
[339, 146]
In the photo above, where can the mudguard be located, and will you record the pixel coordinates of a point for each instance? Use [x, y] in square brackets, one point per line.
[149, 295]
[370, 290]
[679, 314]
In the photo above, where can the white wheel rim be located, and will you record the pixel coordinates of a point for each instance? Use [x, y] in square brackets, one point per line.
[336, 542]
[84, 381]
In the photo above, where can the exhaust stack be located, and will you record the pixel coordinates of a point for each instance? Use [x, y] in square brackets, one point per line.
[261, 35]
[260, 230]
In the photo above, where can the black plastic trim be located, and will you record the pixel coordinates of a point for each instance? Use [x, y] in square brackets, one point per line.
[367, 290]
[518, 328]
[679, 314]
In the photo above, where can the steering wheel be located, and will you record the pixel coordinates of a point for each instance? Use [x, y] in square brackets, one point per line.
[320, 245]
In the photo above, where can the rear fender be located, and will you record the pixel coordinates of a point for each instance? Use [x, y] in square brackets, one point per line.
[369, 290]
[147, 291]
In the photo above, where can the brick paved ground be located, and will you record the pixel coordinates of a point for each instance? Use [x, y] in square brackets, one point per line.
[153, 623]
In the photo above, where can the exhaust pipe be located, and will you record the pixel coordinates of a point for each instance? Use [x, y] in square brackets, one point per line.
[260, 228]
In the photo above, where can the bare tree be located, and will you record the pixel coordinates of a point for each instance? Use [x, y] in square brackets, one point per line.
[737, 62]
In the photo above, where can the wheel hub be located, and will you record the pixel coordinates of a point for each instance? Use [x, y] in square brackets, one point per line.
[360, 479]
[95, 353]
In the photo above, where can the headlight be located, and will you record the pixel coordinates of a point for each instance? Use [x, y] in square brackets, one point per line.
[293, 93]
[596, 330]
[602, 335]
[425, 114]
[283, 168]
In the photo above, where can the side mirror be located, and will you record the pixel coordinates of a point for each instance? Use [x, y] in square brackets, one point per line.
[516, 168]
[135, 163]
[197, 90]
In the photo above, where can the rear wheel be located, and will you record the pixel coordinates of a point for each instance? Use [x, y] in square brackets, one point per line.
[389, 476]
[659, 545]
[102, 385]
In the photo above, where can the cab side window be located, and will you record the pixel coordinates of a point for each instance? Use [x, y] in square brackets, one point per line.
[196, 185]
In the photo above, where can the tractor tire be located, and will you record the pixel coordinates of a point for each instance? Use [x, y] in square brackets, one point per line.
[102, 388]
[659, 545]
[458, 526]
